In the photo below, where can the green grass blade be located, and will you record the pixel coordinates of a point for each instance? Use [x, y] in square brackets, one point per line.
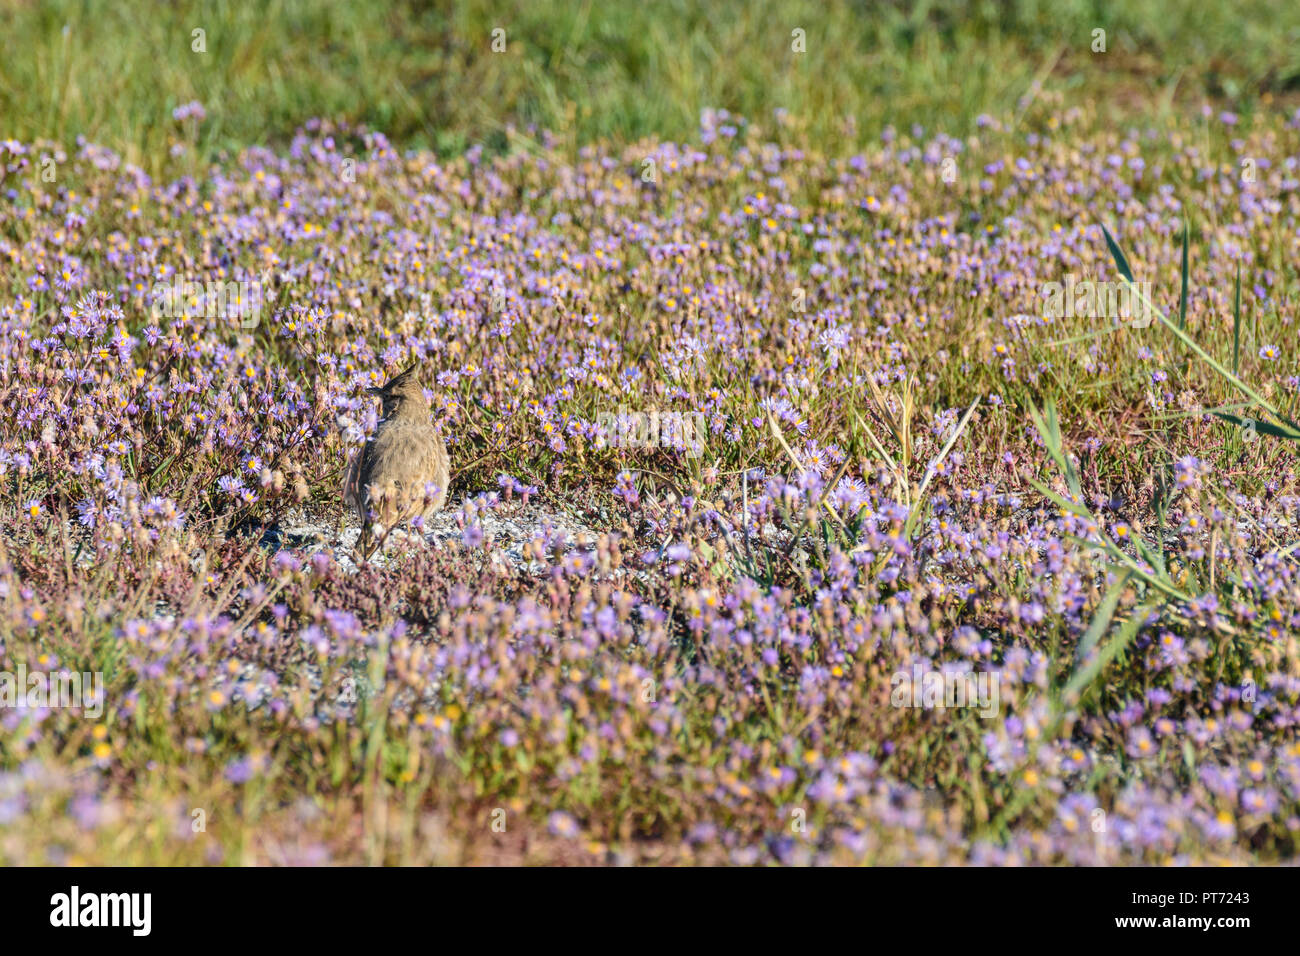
[1120, 261]
[1182, 295]
[1101, 619]
[1084, 677]
[1236, 325]
[1265, 428]
[1049, 428]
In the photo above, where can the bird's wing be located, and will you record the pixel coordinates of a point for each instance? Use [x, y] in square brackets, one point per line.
[405, 458]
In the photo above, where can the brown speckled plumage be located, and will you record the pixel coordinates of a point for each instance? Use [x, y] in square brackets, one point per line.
[391, 473]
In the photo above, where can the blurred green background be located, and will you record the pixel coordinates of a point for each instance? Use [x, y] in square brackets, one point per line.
[425, 73]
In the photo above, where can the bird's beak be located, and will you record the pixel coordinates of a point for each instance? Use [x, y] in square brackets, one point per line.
[373, 390]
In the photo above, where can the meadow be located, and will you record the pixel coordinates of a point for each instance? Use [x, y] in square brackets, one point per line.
[813, 501]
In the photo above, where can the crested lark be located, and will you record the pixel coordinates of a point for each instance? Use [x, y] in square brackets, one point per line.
[402, 470]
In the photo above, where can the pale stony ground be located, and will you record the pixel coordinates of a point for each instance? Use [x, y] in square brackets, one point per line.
[508, 527]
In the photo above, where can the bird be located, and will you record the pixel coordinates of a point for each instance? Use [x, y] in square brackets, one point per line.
[403, 469]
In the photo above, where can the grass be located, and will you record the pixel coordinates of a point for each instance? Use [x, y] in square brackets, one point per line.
[426, 76]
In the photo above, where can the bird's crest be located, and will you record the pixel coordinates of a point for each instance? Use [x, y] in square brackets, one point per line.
[397, 381]
[401, 377]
